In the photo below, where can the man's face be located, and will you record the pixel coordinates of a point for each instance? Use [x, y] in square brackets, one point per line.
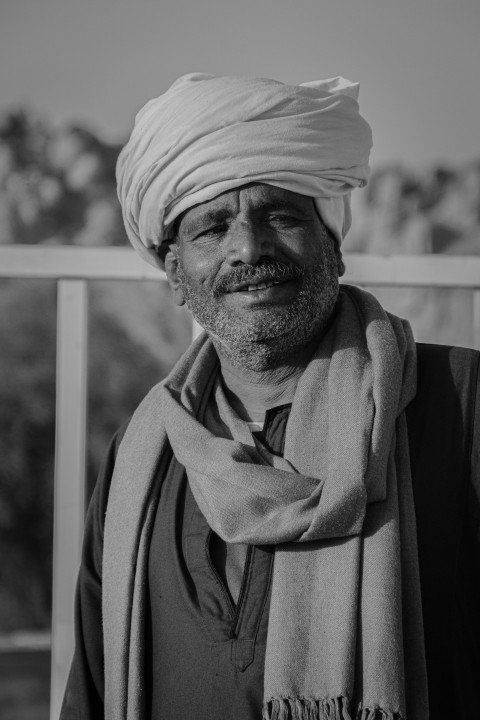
[257, 268]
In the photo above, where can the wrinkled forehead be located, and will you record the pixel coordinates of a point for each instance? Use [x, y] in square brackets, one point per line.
[250, 199]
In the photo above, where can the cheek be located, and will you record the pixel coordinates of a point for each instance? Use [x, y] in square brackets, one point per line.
[308, 250]
[199, 270]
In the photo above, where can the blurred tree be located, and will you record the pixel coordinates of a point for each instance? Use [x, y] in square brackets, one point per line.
[27, 430]
[121, 371]
[35, 203]
[56, 186]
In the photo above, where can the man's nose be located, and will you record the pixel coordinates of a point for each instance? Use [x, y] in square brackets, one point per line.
[247, 243]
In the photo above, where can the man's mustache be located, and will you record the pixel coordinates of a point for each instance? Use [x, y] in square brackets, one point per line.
[264, 271]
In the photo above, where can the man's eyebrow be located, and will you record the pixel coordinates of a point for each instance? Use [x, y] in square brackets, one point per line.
[282, 205]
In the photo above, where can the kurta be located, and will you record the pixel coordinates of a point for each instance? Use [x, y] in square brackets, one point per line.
[205, 651]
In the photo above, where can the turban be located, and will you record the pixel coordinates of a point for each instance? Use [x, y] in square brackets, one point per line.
[206, 135]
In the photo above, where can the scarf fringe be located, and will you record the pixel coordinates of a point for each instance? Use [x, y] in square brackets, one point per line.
[322, 709]
[377, 714]
[306, 709]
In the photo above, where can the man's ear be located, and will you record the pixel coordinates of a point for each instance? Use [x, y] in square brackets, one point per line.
[171, 271]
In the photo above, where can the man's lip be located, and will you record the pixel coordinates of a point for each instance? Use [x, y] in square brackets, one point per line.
[269, 282]
[274, 294]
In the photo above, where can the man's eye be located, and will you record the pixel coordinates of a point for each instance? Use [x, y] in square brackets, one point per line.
[213, 231]
[283, 220]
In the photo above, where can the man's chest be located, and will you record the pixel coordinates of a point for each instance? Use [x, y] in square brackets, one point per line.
[204, 650]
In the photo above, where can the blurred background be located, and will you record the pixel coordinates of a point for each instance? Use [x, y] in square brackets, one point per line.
[72, 76]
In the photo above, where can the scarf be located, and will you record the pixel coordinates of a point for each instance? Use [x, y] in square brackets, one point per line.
[345, 634]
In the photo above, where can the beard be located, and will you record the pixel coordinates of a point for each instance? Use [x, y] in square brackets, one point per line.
[265, 338]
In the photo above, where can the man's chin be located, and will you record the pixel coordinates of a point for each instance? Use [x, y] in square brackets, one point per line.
[260, 349]
[258, 328]
[257, 356]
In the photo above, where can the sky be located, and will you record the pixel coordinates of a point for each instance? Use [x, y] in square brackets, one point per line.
[98, 61]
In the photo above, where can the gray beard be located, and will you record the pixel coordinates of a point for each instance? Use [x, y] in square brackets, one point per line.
[264, 340]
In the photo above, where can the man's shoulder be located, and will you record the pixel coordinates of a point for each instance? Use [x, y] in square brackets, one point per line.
[444, 370]
[443, 417]
[447, 358]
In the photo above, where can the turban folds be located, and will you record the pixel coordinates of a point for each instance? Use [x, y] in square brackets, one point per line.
[206, 135]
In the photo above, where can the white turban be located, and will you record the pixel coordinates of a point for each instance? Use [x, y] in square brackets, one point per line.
[206, 135]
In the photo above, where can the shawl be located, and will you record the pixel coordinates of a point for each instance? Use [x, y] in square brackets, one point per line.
[206, 135]
[345, 634]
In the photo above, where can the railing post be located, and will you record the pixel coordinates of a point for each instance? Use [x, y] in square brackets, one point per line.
[69, 475]
[476, 319]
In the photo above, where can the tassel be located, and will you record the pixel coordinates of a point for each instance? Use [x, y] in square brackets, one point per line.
[302, 708]
[377, 714]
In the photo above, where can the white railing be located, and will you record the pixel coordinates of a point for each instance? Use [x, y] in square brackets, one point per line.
[73, 268]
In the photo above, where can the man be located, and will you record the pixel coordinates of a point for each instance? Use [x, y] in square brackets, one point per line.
[251, 545]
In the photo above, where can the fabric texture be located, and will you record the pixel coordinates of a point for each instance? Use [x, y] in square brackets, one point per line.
[206, 135]
[338, 642]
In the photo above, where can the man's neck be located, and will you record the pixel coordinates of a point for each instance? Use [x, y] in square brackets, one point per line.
[251, 393]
